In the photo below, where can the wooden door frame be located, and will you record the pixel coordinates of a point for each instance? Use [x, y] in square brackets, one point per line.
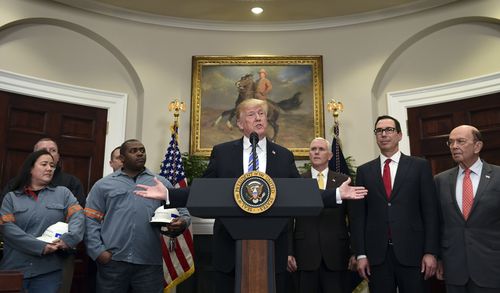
[399, 101]
[114, 102]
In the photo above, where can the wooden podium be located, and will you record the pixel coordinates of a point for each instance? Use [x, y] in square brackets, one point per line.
[11, 281]
[254, 233]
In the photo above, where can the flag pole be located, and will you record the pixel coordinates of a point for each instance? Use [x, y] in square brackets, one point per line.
[178, 264]
[336, 107]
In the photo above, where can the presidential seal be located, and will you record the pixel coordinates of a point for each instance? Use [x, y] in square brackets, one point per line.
[254, 192]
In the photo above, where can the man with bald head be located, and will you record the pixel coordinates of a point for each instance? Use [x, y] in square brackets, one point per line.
[469, 196]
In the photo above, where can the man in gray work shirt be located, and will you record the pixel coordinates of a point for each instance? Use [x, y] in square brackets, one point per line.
[118, 234]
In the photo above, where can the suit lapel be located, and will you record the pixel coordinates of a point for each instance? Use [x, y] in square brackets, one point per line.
[333, 180]
[453, 190]
[237, 155]
[484, 181]
[271, 159]
[404, 166]
[374, 168]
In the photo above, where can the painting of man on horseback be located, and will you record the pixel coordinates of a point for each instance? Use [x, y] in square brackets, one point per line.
[290, 85]
[248, 88]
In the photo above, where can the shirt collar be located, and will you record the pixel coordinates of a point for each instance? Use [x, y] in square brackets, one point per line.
[395, 158]
[120, 172]
[314, 173]
[262, 144]
[475, 168]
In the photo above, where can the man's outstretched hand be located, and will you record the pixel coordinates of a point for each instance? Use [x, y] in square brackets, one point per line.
[352, 192]
[157, 191]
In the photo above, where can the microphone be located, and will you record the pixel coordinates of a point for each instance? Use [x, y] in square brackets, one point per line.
[254, 139]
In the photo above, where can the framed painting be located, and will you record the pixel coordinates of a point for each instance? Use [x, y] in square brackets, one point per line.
[292, 85]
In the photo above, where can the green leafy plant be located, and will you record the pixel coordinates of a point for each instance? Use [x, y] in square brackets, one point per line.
[194, 166]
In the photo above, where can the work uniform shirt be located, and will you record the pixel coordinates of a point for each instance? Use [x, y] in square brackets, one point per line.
[119, 221]
[25, 217]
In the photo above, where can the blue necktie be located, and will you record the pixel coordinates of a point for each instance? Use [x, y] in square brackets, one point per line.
[250, 162]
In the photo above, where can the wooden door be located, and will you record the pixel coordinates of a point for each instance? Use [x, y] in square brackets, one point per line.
[429, 126]
[80, 133]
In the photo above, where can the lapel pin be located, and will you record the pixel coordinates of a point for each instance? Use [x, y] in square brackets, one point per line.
[487, 176]
[274, 152]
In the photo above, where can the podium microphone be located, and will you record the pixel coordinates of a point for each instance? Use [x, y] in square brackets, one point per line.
[254, 139]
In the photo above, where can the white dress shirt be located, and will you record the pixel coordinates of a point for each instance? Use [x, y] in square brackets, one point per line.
[393, 165]
[261, 153]
[475, 175]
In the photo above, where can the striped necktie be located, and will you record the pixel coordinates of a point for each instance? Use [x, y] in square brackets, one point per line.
[250, 162]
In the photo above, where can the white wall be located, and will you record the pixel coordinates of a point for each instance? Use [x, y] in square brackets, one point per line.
[152, 64]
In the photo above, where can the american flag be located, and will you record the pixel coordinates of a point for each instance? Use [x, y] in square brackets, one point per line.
[337, 162]
[178, 265]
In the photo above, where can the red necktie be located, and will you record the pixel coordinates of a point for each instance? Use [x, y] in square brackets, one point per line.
[386, 176]
[467, 194]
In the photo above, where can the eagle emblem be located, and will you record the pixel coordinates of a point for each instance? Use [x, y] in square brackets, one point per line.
[254, 191]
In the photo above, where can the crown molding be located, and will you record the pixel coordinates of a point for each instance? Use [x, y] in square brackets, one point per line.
[199, 24]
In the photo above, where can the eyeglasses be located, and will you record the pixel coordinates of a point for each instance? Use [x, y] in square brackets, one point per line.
[388, 130]
[459, 142]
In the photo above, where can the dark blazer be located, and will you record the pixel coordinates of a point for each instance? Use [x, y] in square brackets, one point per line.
[471, 249]
[325, 237]
[411, 214]
[226, 161]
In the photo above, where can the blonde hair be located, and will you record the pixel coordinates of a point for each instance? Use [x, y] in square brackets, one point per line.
[250, 103]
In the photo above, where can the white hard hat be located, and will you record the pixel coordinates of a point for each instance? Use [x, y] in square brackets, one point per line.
[163, 215]
[54, 232]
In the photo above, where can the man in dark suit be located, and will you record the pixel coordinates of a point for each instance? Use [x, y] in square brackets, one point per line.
[319, 246]
[231, 160]
[395, 229]
[469, 197]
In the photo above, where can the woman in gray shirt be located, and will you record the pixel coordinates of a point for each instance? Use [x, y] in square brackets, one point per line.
[27, 211]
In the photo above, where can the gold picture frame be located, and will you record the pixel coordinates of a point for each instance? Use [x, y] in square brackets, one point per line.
[219, 82]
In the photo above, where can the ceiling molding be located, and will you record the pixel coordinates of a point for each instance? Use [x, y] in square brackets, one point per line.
[198, 24]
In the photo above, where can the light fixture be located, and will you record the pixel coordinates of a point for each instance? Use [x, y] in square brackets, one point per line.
[257, 10]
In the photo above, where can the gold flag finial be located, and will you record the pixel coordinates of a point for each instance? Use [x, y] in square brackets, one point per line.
[177, 107]
[335, 107]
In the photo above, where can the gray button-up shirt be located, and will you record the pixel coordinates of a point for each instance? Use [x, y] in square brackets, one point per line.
[24, 219]
[118, 220]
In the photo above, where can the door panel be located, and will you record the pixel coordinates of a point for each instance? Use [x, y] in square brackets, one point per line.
[429, 126]
[78, 130]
